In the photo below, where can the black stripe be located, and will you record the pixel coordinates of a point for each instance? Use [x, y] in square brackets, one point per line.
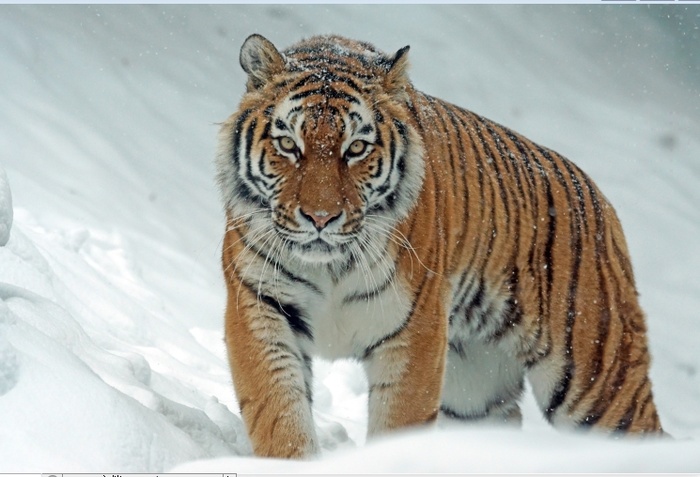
[626, 420]
[461, 159]
[371, 348]
[645, 404]
[324, 77]
[378, 138]
[267, 112]
[250, 135]
[479, 167]
[507, 159]
[531, 186]
[560, 392]
[458, 348]
[293, 315]
[386, 185]
[282, 352]
[243, 192]
[376, 386]
[327, 92]
[444, 133]
[297, 279]
[378, 116]
[590, 420]
[489, 233]
[323, 56]
[551, 234]
[576, 181]
[308, 365]
[366, 129]
[241, 189]
[462, 289]
[533, 169]
[293, 111]
[380, 167]
[624, 261]
[494, 156]
[279, 124]
[510, 318]
[280, 268]
[603, 320]
[564, 385]
[266, 131]
[261, 166]
[471, 309]
[371, 294]
[235, 140]
[473, 416]
[491, 405]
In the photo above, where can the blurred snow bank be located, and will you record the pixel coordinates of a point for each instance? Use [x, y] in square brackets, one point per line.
[5, 208]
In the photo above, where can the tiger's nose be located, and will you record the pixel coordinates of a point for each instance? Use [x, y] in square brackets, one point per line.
[320, 218]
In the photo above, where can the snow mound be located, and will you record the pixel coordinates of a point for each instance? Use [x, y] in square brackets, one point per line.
[5, 208]
[77, 331]
[480, 450]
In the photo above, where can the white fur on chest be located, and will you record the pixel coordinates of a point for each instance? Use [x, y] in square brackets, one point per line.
[353, 313]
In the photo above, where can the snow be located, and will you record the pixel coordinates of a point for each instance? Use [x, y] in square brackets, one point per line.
[480, 451]
[5, 209]
[111, 297]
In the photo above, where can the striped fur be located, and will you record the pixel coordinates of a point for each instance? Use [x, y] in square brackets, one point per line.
[449, 254]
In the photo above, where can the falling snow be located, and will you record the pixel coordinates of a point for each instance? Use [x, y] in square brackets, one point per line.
[111, 296]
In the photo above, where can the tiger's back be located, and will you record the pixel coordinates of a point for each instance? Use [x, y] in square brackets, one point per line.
[546, 274]
[450, 255]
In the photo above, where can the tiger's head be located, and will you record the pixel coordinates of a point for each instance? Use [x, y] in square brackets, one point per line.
[321, 160]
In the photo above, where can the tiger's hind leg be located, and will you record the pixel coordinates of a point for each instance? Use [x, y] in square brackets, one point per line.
[605, 388]
[596, 374]
[483, 384]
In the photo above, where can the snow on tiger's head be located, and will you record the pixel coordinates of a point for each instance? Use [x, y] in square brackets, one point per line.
[322, 149]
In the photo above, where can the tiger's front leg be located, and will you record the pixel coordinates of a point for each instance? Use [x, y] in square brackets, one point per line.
[405, 370]
[268, 375]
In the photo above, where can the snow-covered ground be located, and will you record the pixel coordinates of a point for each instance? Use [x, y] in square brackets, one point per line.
[111, 298]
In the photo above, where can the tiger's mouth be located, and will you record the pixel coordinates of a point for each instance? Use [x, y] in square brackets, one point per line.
[320, 243]
[319, 250]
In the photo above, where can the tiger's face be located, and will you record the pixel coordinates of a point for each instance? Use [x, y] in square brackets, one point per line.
[318, 163]
[325, 171]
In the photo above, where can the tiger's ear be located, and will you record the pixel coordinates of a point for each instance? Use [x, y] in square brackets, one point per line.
[261, 60]
[396, 78]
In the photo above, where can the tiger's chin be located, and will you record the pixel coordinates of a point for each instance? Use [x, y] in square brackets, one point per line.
[319, 252]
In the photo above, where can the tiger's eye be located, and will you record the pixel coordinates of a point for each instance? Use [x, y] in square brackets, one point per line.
[357, 147]
[287, 144]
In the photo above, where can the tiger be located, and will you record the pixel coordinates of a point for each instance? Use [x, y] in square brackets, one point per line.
[449, 255]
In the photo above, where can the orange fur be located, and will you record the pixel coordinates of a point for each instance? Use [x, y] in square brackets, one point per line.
[488, 241]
